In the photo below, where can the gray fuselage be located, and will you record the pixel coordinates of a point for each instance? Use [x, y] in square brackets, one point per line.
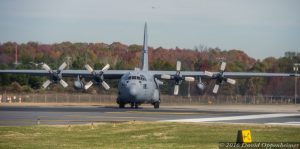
[138, 87]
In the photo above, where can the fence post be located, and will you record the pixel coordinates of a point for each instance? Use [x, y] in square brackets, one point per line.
[271, 100]
[99, 97]
[56, 98]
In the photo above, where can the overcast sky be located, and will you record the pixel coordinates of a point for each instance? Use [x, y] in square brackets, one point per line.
[261, 28]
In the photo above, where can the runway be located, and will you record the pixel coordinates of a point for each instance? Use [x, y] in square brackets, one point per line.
[60, 115]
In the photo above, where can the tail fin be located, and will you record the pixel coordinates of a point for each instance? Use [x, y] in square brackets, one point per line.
[145, 50]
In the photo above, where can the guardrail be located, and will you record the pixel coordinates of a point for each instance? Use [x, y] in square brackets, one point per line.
[165, 99]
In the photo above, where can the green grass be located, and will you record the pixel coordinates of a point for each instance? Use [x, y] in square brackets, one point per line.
[139, 135]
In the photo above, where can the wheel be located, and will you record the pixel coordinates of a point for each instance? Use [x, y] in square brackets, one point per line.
[136, 106]
[121, 105]
[156, 105]
[132, 105]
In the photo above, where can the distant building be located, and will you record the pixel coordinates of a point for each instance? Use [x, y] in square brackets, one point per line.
[291, 54]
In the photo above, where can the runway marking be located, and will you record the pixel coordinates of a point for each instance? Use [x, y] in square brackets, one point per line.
[285, 123]
[213, 119]
[172, 113]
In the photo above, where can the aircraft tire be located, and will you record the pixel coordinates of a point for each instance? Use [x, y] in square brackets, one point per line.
[136, 106]
[121, 105]
[132, 105]
[156, 105]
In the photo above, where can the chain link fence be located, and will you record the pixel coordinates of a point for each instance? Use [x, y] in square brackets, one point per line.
[165, 99]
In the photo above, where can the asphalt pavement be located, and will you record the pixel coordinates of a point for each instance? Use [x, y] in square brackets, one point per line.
[15, 115]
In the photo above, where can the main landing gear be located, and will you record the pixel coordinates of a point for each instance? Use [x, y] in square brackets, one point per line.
[121, 105]
[134, 105]
[156, 105]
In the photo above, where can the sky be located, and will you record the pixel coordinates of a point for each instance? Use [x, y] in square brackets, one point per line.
[261, 28]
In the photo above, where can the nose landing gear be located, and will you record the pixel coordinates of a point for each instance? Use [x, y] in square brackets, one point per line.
[134, 105]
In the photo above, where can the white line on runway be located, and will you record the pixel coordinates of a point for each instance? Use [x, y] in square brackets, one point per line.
[213, 119]
[285, 123]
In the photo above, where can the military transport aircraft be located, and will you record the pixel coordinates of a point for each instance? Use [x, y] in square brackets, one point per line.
[140, 85]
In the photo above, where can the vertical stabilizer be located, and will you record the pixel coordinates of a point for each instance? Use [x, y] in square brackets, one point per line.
[144, 65]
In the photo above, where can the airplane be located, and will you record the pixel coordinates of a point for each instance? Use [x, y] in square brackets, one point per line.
[141, 85]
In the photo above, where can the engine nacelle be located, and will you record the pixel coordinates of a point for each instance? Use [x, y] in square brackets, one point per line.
[78, 85]
[201, 86]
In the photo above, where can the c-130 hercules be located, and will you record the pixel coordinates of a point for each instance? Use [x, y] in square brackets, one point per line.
[140, 85]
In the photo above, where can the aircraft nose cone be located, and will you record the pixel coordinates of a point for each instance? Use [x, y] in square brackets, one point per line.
[133, 91]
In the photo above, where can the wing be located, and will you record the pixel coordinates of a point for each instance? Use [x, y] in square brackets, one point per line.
[109, 74]
[236, 75]
[178, 76]
[29, 72]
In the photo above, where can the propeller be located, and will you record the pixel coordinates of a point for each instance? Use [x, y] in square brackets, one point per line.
[177, 77]
[97, 77]
[55, 76]
[219, 77]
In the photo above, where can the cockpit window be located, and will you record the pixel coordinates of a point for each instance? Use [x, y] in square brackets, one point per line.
[143, 78]
[137, 78]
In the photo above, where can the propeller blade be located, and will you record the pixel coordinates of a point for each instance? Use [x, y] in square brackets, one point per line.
[63, 83]
[176, 89]
[106, 67]
[89, 68]
[223, 66]
[62, 66]
[88, 85]
[230, 81]
[167, 77]
[189, 79]
[105, 85]
[207, 73]
[216, 88]
[46, 67]
[46, 84]
[178, 66]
